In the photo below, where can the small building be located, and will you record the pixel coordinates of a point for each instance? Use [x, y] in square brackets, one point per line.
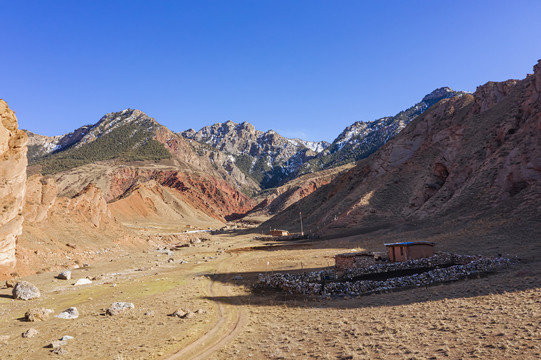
[279, 232]
[403, 251]
[353, 260]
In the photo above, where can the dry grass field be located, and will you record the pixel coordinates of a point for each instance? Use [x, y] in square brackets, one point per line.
[492, 317]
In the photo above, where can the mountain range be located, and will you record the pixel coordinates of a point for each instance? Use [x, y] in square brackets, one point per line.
[272, 160]
[454, 157]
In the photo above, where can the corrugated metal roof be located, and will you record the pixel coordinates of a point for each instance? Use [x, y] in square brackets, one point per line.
[411, 243]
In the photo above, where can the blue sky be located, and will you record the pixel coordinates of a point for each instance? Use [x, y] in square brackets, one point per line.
[302, 68]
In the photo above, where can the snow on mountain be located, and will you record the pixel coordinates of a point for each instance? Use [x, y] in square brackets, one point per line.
[361, 139]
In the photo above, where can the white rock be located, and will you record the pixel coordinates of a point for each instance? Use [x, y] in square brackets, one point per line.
[119, 307]
[29, 333]
[82, 282]
[24, 290]
[70, 313]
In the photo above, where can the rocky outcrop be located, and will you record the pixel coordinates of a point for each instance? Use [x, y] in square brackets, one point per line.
[41, 194]
[272, 160]
[12, 183]
[43, 199]
[267, 157]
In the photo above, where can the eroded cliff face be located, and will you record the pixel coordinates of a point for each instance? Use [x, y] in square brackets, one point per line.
[12, 183]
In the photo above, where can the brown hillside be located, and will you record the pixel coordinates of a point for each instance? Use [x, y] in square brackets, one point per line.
[273, 201]
[466, 158]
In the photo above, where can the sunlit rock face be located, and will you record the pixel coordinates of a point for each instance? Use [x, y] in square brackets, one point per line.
[12, 183]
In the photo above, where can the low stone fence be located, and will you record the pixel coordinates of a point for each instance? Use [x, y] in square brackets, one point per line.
[328, 282]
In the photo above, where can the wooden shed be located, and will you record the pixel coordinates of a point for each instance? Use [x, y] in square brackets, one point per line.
[279, 232]
[403, 251]
[353, 260]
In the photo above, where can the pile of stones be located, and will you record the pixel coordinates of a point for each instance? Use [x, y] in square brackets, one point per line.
[327, 282]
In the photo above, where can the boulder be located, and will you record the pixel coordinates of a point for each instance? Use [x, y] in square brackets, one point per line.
[183, 314]
[82, 282]
[179, 313]
[57, 343]
[38, 314]
[119, 307]
[30, 333]
[24, 290]
[70, 313]
[64, 275]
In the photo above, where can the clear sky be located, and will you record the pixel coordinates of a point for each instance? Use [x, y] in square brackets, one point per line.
[303, 68]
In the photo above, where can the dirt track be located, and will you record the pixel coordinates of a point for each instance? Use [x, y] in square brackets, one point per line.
[230, 318]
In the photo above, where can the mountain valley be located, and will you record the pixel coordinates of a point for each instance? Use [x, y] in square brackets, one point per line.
[177, 223]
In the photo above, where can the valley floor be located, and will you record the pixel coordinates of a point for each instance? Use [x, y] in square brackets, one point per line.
[493, 317]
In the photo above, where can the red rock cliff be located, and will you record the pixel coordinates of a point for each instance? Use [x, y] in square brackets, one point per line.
[12, 183]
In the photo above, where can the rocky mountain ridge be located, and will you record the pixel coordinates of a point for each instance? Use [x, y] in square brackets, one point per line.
[127, 136]
[469, 157]
[267, 157]
[271, 159]
[361, 139]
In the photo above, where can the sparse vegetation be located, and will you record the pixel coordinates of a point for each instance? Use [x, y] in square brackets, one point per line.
[128, 142]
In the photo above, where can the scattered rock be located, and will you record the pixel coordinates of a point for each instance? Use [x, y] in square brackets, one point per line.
[119, 307]
[189, 315]
[149, 313]
[59, 351]
[238, 277]
[171, 260]
[24, 290]
[179, 313]
[183, 314]
[30, 333]
[38, 314]
[11, 283]
[70, 313]
[199, 311]
[64, 275]
[83, 281]
[57, 343]
[66, 338]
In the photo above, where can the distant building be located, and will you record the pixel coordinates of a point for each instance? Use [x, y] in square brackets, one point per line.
[404, 251]
[279, 233]
[353, 260]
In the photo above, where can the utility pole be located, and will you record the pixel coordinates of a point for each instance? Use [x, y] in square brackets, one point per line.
[300, 215]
